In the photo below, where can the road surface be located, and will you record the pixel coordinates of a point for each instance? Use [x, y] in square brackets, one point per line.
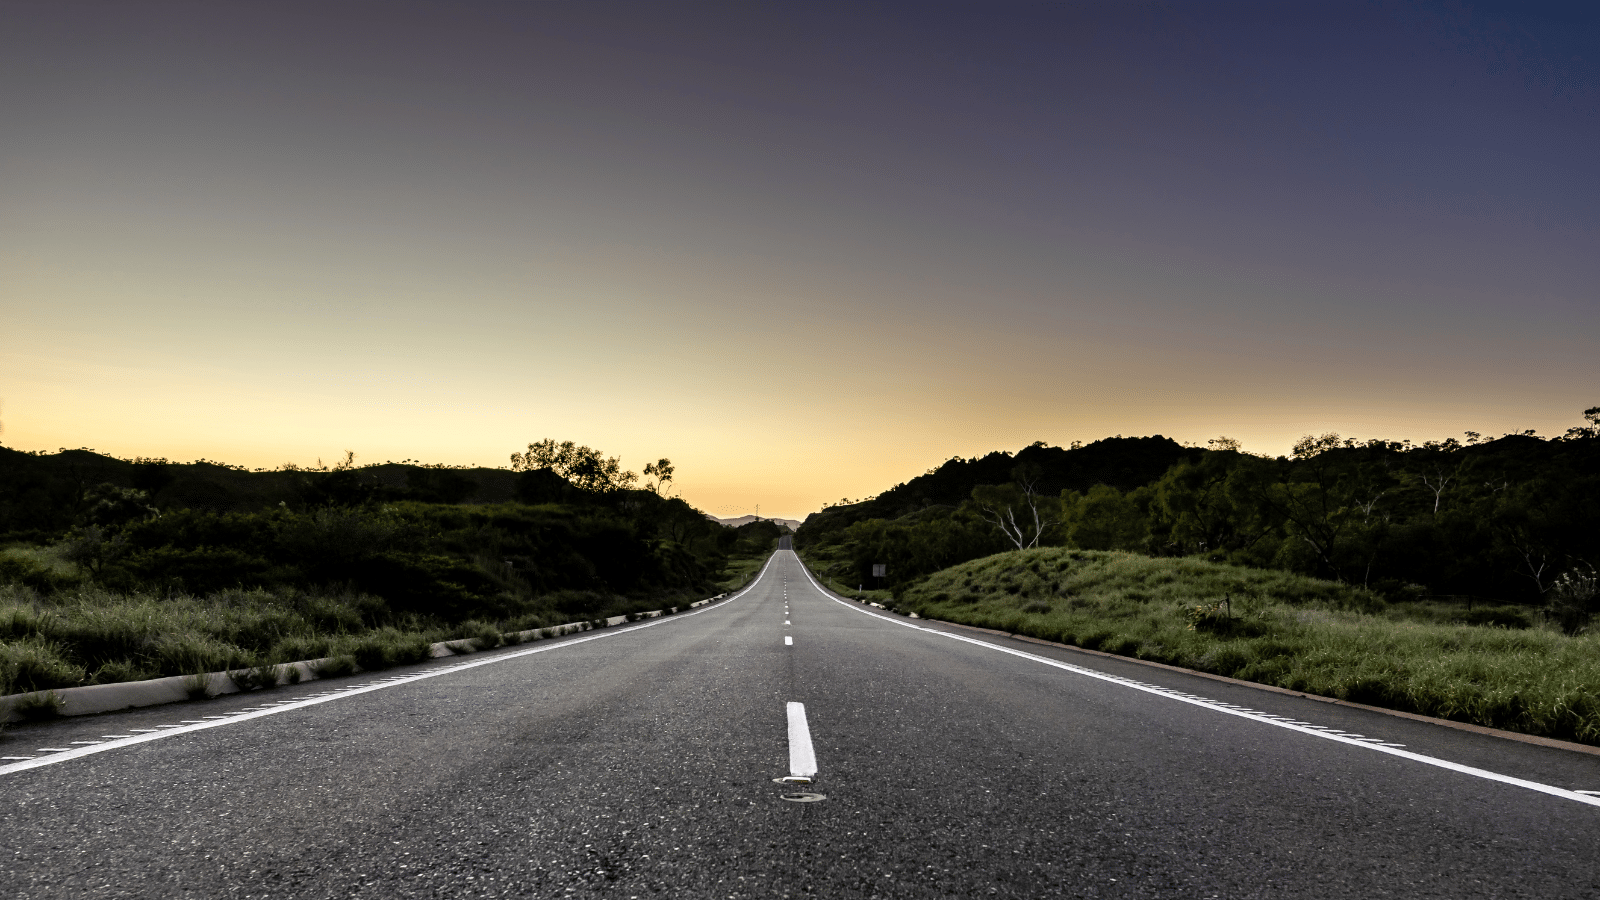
[649, 761]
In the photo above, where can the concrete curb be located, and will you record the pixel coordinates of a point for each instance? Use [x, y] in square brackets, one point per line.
[100, 698]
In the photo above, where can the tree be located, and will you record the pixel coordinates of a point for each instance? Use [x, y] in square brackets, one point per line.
[1105, 518]
[661, 471]
[1592, 430]
[1017, 509]
[1315, 498]
[586, 468]
[1196, 510]
[1436, 464]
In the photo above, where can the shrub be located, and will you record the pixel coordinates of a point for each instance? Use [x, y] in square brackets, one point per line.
[38, 707]
[120, 670]
[33, 664]
[335, 667]
[254, 678]
[33, 569]
[198, 687]
[483, 635]
[1573, 599]
[390, 647]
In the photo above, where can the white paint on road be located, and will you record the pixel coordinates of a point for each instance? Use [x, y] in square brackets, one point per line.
[788, 641]
[802, 758]
[1229, 709]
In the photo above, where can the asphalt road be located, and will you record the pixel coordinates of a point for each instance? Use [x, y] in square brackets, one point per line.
[640, 762]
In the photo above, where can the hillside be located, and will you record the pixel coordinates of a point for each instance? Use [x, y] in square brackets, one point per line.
[1123, 463]
[1514, 519]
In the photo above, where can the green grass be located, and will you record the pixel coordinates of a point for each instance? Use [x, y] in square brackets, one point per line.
[740, 571]
[74, 634]
[831, 566]
[1294, 632]
[41, 568]
[94, 636]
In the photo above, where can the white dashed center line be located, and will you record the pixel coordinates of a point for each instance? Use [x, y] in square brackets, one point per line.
[802, 758]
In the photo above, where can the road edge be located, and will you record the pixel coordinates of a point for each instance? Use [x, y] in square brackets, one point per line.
[94, 699]
[1484, 730]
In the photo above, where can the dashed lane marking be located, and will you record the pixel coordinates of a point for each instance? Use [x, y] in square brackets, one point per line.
[802, 756]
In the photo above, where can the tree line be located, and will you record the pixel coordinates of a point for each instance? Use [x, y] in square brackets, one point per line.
[1503, 519]
[566, 527]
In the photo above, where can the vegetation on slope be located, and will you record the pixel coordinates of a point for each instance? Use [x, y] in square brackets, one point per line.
[1278, 628]
[1485, 521]
[126, 577]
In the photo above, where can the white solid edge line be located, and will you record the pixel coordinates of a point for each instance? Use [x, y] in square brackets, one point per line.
[802, 758]
[286, 706]
[1192, 700]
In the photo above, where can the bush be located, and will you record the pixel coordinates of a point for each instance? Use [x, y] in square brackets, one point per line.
[483, 635]
[335, 667]
[1573, 599]
[38, 707]
[33, 664]
[20, 567]
[254, 678]
[390, 647]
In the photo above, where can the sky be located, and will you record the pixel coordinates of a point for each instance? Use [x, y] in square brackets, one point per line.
[805, 250]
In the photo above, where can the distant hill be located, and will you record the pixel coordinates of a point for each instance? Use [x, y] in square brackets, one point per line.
[792, 524]
[1123, 463]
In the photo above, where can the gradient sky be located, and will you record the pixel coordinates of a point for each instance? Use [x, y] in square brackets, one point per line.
[807, 250]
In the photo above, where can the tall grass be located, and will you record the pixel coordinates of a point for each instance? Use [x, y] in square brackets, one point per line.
[1276, 628]
[740, 571]
[94, 636]
[73, 633]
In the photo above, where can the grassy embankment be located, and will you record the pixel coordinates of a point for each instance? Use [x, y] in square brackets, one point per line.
[829, 564]
[741, 570]
[86, 634]
[1281, 629]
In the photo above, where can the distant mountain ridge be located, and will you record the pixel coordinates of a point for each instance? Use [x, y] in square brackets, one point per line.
[746, 520]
